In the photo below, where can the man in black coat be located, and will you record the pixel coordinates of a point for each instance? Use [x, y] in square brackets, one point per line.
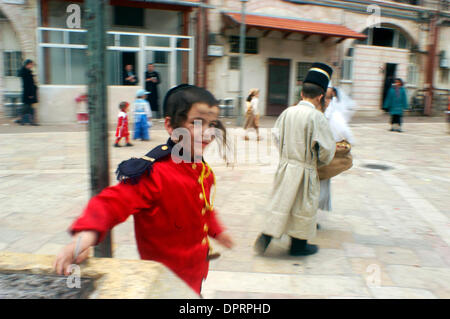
[129, 78]
[29, 94]
[152, 79]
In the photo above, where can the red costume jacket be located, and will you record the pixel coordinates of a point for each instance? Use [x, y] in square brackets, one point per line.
[122, 125]
[171, 222]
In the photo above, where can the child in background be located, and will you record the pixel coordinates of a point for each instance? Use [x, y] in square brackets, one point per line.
[142, 116]
[252, 114]
[122, 125]
[169, 198]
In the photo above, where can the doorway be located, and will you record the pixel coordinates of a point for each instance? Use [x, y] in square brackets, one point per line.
[278, 86]
[129, 58]
[390, 74]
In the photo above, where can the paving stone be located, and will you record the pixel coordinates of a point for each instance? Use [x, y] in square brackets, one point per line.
[401, 293]
[10, 235]
[49, 249]
[372, 214]
[429, 278]
[397, 256]
[356, 250]
[30, 243]
[327, 262]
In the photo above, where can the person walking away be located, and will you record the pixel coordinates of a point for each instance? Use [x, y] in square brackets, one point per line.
[252, 113]
[122, 125]
[305, 142]
[172, 230]
[152, 80]
[142, 116]
[396, 101]
[129, 78]
[29, 93]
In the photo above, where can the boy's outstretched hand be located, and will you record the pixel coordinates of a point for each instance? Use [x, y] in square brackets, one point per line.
[66, 256]
[225, 240]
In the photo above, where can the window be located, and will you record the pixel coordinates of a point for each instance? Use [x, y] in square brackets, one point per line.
[129, 16]
[251, 45]
[302, 70]
[383, 37]
[413, 71]
[386, 37]
[234, 63]
[12, 62]
[160, 57]
[444, 76]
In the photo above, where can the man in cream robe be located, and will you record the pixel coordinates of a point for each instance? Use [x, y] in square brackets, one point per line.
[305, 143]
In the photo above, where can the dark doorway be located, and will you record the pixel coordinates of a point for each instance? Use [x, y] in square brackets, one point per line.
[278, 86]
[129, 58]
[390, 72]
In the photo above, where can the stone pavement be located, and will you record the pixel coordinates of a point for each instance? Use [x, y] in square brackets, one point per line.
[388, 235]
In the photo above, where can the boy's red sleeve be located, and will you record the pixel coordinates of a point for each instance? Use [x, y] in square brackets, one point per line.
[114, 205]
[215, 228]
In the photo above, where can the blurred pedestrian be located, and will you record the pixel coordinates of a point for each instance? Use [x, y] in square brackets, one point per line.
[172, 220]
[152, 80]
[333, 111]
[396, 101]
[252, 113]
[305, 143]
[29, 93]
[142, 116]
[129, 78]
[122, 125]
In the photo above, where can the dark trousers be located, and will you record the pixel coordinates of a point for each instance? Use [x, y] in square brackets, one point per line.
[27, 114]
[396, 119]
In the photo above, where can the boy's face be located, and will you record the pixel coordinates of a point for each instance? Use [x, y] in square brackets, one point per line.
[201, 122]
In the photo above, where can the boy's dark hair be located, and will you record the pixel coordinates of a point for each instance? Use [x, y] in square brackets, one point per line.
[123, 105]
[179, 100]
[311, 90]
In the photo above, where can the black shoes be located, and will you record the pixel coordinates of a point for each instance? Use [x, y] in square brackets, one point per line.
[117, 145]
[262, 243]
[129, 144]
[300, 247]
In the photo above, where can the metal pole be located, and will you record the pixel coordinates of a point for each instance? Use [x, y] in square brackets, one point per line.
[97, 102]
[241, 64]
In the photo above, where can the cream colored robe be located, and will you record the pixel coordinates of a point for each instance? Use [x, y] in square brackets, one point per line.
[305, 143]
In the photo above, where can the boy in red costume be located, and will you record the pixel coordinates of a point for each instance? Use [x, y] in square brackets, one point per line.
[122, 125]
[168, 196]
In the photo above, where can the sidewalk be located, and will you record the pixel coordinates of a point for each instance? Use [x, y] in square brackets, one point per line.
[387, 237]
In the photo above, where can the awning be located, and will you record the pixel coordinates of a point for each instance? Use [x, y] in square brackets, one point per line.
[289, 25]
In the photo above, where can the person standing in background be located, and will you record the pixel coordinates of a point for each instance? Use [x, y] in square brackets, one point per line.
[129, 78]
[152, 79]
[396, 101]
[29, 94]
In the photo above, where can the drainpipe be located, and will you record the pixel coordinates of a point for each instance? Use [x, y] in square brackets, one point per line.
[432, 46]
[205, 44]
[199, 49]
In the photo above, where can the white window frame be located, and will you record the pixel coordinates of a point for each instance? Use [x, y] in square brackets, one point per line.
[141, 49]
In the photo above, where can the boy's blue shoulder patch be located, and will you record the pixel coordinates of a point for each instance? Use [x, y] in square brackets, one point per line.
[131, 170]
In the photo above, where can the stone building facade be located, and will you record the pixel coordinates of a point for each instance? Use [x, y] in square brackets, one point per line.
[364, 58]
